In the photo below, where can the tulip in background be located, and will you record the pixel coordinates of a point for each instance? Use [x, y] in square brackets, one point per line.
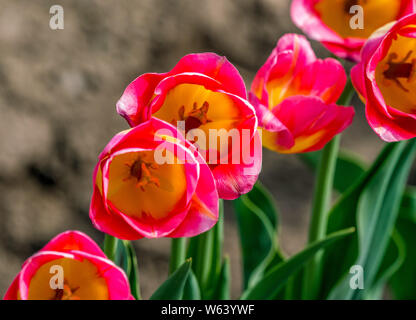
[88, 274]
[328, 21]
[386, 78]
[294, 95]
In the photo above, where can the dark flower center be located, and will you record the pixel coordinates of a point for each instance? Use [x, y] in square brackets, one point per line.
[196, 117]
[399, 70]
[140, 170]
[67, 293]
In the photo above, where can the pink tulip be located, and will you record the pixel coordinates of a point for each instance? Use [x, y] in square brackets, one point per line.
[332, 23]
[385, 79]
[151, 182]
[86, 271]
[294, 95]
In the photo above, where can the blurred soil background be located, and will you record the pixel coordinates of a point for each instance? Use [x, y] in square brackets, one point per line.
[58, 91]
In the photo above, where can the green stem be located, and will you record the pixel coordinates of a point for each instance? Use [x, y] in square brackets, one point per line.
[133, 269]
[321, 204]
[110, 247]
[323, 190]
[204, 259]
[290, 288]
[178, 253]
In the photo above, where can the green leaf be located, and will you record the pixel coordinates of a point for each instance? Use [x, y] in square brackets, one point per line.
[262, 198]
[130, 266]
[173, 287]
[191, 290]
[408, 205]
[257, 222]
[393, 260]
[275, 279]
[402, 283]
[376, 213]
[222, 291]
[206, 253]
[338, 259]
[217, 245]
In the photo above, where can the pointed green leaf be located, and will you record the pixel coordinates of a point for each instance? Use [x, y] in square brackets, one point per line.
[257, 222]
[173, 287]
[402, 283]
[131, 268]
[376, 213]
[276, 278]
[408, 205]
[393, 260]
[223, 287]
[338, 259]
[191, 290]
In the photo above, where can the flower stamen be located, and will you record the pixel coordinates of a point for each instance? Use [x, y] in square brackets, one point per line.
[402, 69]
[67, 293]
[349, 3]
[140, 170]
[196, 117]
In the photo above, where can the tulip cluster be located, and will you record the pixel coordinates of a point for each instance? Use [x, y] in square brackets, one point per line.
[196, 137]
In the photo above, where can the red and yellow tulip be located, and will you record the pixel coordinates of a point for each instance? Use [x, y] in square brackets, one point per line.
[294, 95]
[150, 182]
[87, 273]
[328, 21]
[205, 93]
[385, 79]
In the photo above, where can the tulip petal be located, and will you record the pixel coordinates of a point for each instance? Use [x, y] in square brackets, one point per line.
[234, 179]
[215, 67]
[108, 222]
[73, 240]
[12, 292]
[269, 122]
[203, 212]
[312, 122]
[133, 104]
[292, 69]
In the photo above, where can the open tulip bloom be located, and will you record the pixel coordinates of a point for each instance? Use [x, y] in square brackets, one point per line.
[196, 138]
[330, 21]
[386, 78]
[150, 182]
[294, 95]
[86, 273]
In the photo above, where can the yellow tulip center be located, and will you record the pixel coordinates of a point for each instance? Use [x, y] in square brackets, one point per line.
[141, 188]
[199, 108]
[396, 74]
[81, 281]
[376, 13]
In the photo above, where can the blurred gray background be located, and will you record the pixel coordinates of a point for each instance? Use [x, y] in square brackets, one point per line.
[58, 91]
